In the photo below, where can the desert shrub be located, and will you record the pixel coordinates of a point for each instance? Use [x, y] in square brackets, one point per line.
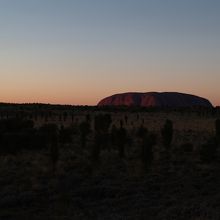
[16, 135]
[167, 134]
[65, 135]
[208, 151]
[147, 155]
[49, 137]
[121, 139]
[84, 129]
[113, 135]
[141, 132]
[15, 125]
[48, 132]
[12, 143]
[102, 124]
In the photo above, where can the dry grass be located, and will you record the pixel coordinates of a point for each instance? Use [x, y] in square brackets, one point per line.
[117, 189]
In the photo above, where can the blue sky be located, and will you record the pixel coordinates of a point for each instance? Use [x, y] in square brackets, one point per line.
[78, 51]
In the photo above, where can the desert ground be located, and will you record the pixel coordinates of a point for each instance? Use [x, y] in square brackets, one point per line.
[80, 181]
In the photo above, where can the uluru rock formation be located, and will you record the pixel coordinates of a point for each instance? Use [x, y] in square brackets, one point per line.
[155, 99]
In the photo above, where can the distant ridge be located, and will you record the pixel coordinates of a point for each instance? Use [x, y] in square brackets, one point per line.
[155, 99]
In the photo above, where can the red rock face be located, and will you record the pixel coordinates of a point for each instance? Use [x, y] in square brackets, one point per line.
[155, 99]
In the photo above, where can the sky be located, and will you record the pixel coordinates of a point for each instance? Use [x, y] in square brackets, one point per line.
[80, 51]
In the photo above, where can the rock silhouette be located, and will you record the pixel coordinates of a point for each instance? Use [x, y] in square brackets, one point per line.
[155, 99]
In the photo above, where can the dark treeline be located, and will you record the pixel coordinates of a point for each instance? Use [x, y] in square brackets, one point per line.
[13, 110]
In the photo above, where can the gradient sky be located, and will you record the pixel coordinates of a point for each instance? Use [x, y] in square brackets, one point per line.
[79, 51]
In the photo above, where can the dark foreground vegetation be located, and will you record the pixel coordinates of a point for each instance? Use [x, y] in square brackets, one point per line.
[63, 162]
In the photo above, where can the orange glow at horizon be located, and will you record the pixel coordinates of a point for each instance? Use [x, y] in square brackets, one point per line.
[72, 52]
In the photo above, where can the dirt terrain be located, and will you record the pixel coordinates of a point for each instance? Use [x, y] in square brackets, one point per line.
[180, 186]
